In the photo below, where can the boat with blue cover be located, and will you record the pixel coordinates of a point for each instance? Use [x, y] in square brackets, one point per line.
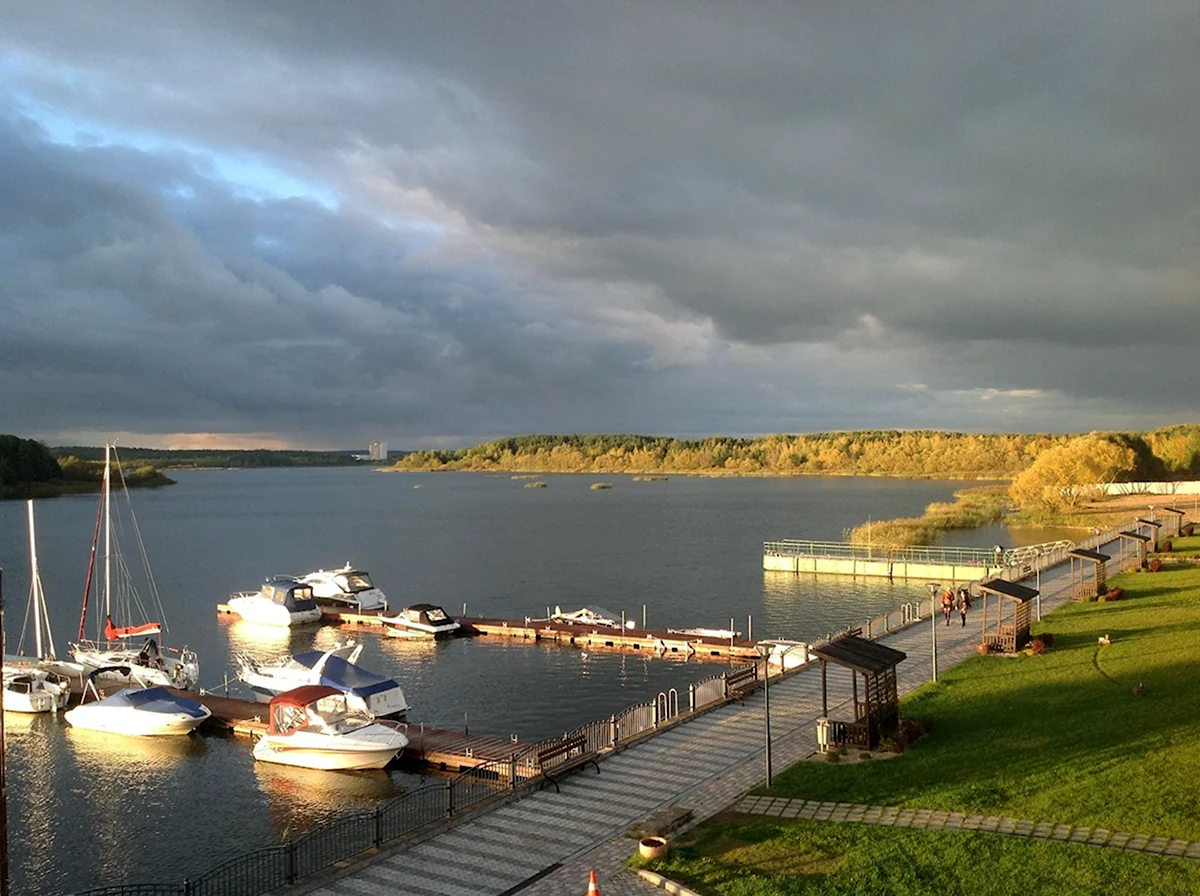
[137, 711]
[281, 600]
[365, 690]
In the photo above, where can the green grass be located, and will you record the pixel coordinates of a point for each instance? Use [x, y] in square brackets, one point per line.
[1058, 737]
[747, 856]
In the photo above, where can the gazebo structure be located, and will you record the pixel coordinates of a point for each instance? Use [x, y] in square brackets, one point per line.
[1011, 631]
[1081, 586]
[1138, 541]
[877, 715]
[1177, 518]
[1153, 526]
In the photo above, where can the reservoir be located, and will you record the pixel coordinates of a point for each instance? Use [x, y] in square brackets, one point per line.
[88, 809]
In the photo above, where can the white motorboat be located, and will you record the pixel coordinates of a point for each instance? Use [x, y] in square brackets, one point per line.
[345, 587]
[365, 691]
[592, 615]
[786, 654]
[312, 727]
[137, 711]
[420, 621]
[30, 689]
[152, 663]
[282, 600]
[725, 634]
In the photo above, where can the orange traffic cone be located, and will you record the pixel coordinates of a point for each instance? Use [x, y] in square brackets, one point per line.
[592, 888]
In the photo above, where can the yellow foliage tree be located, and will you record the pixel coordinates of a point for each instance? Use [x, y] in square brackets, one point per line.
[1065, 475]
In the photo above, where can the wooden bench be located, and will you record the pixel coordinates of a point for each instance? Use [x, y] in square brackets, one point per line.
[740, 681]
[563, 757]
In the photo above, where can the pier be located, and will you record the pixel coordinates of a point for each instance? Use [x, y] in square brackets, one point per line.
[942, 564]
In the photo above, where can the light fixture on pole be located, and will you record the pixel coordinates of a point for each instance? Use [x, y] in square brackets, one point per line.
[764, 650]
[933, 590]
[1038, 562]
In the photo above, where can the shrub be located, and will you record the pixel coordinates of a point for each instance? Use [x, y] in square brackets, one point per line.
[832, 756]
[1155, 565]
[1114, 594]
[1166, 547]
[1187, 530]
[982, 649]
[864, 755]
[1036, 646]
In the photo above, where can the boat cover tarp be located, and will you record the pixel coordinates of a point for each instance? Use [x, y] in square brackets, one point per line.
[155, 700]
[346, 677]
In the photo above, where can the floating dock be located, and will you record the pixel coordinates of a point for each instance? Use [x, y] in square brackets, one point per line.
[658, 642]
[933, 563]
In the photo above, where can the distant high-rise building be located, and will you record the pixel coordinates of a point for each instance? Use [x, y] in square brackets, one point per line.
[377, 451]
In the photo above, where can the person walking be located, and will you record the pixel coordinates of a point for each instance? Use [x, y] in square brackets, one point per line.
[964, 603]
[947, 604]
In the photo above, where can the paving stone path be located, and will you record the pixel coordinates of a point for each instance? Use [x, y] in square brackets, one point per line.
[938, 820]
[545, 843]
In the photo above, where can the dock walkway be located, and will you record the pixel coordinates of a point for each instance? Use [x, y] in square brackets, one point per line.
[546, 842]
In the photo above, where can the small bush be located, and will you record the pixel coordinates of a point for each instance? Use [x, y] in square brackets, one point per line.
[1187, 531]
[1155, 565]
[832, 756]
[1037, 646]
[1166, 547]
[1114, 594]
[982, 649]
[864, 756]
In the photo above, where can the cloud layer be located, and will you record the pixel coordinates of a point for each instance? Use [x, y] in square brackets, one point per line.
[435, 224]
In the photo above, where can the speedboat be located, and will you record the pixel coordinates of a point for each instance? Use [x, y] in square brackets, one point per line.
[345, 587]
[282, 600]
[725, 634]
[590, 616]
[137, 711]
[30, 689]
[365, 691]
[312, 727]
[420, 621]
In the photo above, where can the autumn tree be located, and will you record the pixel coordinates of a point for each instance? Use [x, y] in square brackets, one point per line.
[1065, 475]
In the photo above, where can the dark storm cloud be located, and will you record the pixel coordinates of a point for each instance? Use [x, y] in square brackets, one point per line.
[462, 219]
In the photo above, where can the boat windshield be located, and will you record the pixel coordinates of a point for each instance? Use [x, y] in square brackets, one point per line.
[436, 614]
[354, 582]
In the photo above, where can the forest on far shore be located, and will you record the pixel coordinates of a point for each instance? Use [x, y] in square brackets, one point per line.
[1168, 453]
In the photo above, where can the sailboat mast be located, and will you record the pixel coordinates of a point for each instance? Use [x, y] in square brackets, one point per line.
[107, 530]
[36, 586]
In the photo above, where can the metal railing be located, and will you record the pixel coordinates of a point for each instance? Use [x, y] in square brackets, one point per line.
[844, 550]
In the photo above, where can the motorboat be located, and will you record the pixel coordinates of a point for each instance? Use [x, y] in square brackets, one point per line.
[345, 587]
[152, 662]
[420, 621]
[365, 691]
[786, 654]
[312, 727]
[137, 711]
[282, 600]
[592, 615]
[725, 634]
[31, 689]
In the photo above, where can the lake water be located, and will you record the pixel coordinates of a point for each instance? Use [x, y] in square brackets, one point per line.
[88, 809]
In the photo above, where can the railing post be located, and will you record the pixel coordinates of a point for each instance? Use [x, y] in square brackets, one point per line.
[290, 862]
[378, 833]
[449, 799]
[692, 696]
[512, 772]
[612, 731]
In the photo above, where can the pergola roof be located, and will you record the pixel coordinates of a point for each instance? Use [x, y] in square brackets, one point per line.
[1174, 510]
[1137, 535]
[1006, 588]
[1084, 554]
[1155, 523]
[859, 654]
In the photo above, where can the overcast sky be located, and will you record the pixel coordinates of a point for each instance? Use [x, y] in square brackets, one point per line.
[315, 224]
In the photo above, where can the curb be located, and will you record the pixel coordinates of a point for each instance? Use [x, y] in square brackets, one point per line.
[658, 880]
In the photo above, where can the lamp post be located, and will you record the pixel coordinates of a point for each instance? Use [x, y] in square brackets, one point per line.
[1038, 561]
[933, 590]
[764, 650]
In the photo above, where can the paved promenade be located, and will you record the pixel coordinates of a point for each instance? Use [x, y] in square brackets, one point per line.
[546, 842]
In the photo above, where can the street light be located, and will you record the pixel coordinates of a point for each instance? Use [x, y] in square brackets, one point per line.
[764, 650]
[933, 590]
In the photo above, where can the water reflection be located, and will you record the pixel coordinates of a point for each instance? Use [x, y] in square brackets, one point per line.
[299, 798]
[265, 640]
[804, 606]
[139, 761]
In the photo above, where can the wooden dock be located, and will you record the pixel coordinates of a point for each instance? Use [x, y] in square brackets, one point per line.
[657, 642]
[436, 749]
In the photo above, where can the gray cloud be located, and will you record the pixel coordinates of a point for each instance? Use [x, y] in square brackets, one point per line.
[441, 223]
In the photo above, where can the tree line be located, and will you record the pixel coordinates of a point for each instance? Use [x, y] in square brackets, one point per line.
[1162, 454]
[217, 457]
[25, 463]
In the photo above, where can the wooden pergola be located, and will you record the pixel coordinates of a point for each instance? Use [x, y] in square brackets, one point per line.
[1136, 560]
[1178, 515]
[1081, 586]
[1012, 604]
[1153, 526]
[877, 715]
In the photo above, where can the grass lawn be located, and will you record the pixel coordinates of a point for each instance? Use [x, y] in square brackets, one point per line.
[735, 855]
[1058, 737]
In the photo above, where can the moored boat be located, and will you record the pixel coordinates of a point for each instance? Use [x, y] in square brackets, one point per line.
[421, 621]
[30, 689]
[312, 727]
[345, 588]
[281, 600]
[592, 615]
[365, 691]
[142, 712]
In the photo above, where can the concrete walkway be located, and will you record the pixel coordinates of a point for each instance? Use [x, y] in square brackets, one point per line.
[547, 842]
[936, 820]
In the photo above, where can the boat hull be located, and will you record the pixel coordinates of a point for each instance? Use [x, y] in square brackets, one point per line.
[408, 630]
[95, 717]
[371, 747]
[266, 612]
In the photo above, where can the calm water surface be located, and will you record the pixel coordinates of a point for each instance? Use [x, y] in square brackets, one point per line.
[87, 809]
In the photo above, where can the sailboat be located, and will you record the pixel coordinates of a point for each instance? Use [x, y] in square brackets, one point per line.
[115, 649]
[32, 683]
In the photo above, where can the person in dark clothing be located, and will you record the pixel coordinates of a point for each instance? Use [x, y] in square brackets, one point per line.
[964, 603]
